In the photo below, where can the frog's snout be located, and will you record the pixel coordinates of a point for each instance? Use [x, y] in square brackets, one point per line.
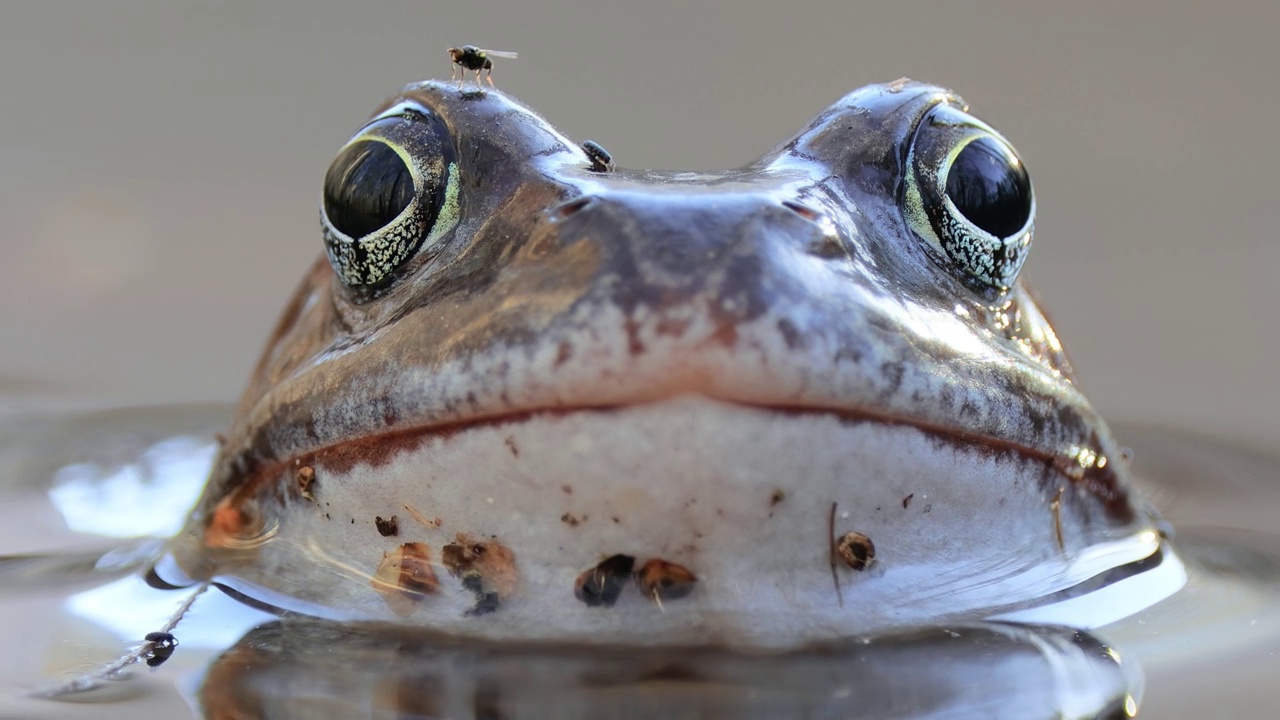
[664, 249]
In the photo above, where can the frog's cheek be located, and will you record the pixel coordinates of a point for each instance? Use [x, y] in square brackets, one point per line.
[609, 526]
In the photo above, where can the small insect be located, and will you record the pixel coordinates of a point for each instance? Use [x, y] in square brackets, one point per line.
[601, 160]
[470, 57]
[162, 646]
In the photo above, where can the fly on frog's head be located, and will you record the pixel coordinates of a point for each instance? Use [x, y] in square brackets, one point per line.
[565, 365]
[470, 57]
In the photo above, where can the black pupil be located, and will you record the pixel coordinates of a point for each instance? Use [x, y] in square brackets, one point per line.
[368, 186]
[990, 188]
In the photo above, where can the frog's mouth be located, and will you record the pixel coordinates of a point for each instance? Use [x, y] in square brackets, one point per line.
[1104, 482]
[750, 499]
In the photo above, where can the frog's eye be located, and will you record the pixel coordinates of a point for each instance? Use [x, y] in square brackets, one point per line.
[968, 196]
[390, 194]
[368, 186]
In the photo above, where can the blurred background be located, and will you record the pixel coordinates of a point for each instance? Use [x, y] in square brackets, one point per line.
[160, 162]
[160, 166]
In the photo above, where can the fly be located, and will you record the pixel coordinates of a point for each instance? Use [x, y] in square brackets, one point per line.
[470, 57]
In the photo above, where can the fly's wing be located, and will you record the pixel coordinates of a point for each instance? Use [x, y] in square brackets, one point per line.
[500, 54]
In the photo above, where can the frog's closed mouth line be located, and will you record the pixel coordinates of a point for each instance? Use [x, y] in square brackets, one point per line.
[375, 450]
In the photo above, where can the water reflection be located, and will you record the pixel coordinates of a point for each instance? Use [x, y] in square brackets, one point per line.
[105, 501]
[72, 600]
[299, 668]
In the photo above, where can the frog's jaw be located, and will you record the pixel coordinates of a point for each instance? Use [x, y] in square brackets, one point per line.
[960, 530]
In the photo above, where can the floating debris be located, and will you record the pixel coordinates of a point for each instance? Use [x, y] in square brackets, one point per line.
[387, 527]
[486, 568]
[602, 585]
[305, 477]
[661, 580]
[425, 522]
[856, 550]
[405, 578]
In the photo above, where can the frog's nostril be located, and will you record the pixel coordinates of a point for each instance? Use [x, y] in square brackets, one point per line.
[568, 209]
[827, 243]
[803, 211]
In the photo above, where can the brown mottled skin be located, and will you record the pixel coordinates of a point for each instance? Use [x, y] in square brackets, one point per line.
[563, 309]
[543, 239]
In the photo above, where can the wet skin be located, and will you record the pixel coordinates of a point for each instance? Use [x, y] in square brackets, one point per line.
[539, 366]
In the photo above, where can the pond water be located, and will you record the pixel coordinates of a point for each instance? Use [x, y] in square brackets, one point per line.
[86, 497]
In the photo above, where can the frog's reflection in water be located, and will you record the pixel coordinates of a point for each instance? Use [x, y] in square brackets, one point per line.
[310, 668]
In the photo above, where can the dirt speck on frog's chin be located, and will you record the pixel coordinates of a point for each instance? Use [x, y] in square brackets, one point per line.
[405, 578]
[387, 527]
[487, 568]
[662, 580]
[306, 477]
[602, 585]
[856, 550]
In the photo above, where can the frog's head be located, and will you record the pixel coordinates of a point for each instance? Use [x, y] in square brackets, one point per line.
[803, 399]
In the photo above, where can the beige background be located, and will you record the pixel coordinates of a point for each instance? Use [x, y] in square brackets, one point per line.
[160, 162]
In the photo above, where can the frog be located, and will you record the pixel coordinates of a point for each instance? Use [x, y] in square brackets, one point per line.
[525, 395]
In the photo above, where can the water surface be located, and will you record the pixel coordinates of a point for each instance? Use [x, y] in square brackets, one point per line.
[86, 497]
